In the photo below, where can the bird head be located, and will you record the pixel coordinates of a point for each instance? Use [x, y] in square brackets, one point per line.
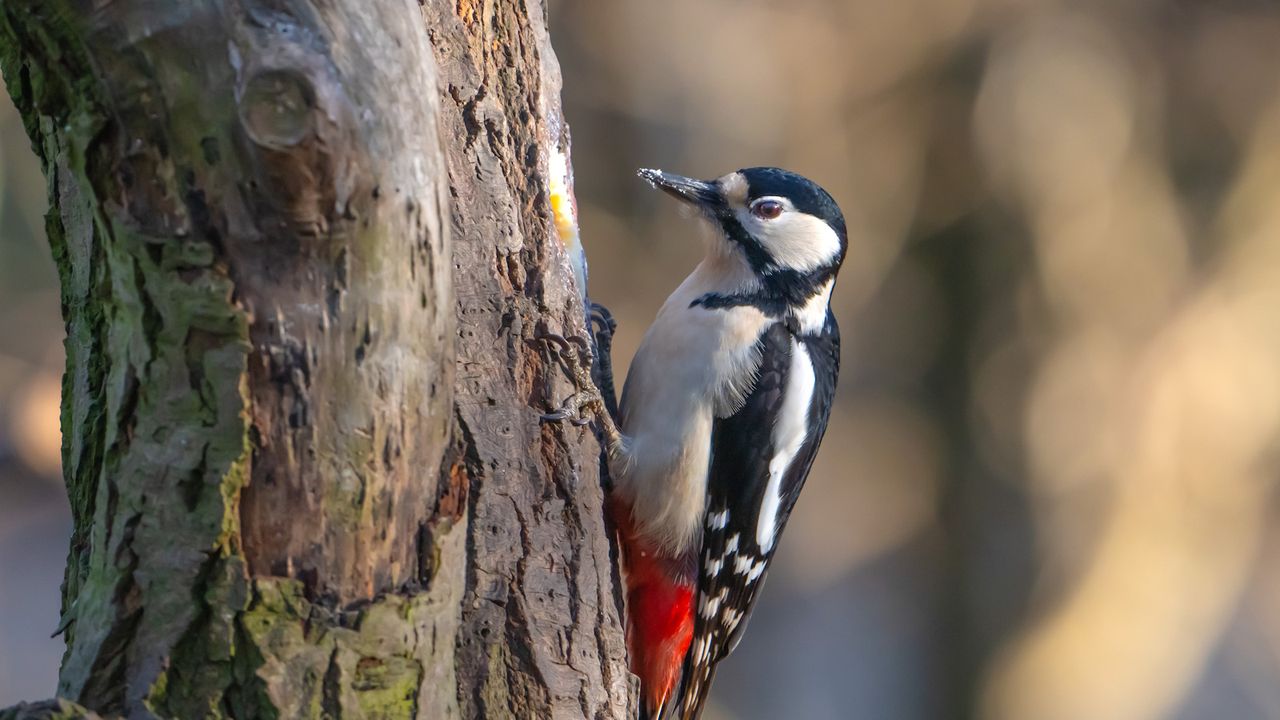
[784, 227]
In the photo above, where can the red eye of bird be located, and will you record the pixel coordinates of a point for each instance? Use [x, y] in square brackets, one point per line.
[767, 209]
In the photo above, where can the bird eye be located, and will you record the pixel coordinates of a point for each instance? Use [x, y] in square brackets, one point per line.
[766, 209]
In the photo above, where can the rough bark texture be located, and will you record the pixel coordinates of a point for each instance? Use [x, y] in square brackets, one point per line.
[303, 484]
[540, 620]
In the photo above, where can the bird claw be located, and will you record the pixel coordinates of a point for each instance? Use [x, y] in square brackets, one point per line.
[579, 356]
[602, 320]
[570, 347]
[571, 409]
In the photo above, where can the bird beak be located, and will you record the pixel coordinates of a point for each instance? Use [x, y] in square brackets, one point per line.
[695, 192]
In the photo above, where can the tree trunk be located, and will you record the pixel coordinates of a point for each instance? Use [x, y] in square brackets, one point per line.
[305, 248]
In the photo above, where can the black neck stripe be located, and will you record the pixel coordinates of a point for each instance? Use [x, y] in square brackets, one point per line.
[783, 293]
[757, 257]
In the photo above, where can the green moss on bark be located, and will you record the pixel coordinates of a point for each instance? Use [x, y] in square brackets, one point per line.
[388, 659]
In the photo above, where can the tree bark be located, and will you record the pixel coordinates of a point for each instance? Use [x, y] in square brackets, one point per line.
[305, 249]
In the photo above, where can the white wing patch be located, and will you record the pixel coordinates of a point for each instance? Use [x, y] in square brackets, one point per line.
[789, 432]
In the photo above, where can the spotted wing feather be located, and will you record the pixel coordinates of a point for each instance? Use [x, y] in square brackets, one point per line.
[733, 563]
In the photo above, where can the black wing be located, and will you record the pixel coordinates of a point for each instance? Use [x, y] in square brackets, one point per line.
[734, 560]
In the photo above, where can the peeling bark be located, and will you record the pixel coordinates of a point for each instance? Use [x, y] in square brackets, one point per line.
[304, 250]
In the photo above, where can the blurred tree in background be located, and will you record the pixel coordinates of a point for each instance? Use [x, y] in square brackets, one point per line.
[1048, 492]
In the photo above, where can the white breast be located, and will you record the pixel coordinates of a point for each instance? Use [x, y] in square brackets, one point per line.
[694, 364]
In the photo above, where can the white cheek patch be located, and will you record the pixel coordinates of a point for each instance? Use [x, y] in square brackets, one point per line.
[794, 240]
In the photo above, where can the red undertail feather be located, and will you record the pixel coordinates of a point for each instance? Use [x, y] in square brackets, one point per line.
[659, 615]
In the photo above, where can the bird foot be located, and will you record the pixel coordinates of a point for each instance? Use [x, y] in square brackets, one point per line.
[579, 358]
[602, 322]
[573, 406]
[576, 355]
[570, 348]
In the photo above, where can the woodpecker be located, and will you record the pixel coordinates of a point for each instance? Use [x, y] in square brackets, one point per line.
[721, 415]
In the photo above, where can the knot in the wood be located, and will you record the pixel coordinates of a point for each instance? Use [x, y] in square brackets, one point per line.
[275, 108]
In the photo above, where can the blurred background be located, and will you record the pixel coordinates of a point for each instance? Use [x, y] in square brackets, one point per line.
[1048, 491]
[35, 517]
